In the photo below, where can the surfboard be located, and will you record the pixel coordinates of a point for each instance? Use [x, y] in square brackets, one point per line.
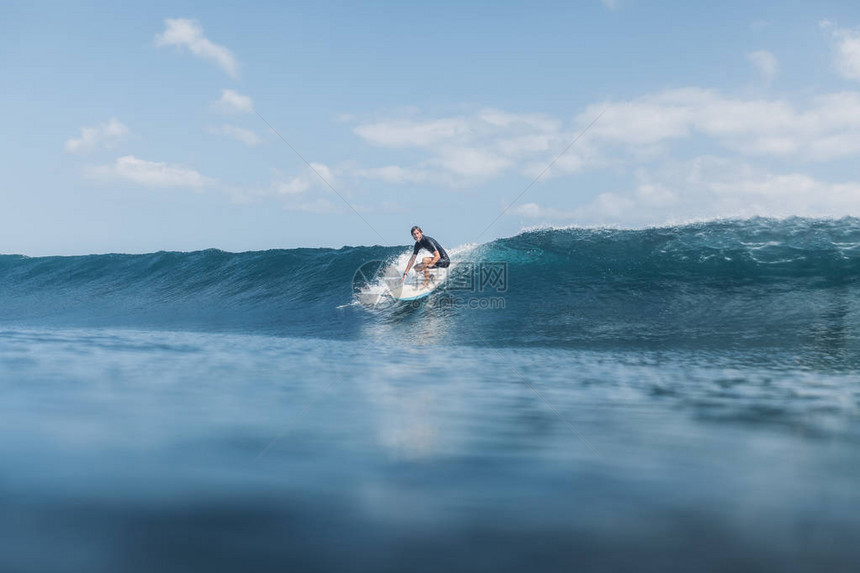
[414, 289]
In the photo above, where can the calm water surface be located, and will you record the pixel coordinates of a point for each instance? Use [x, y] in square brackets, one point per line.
[144, 450]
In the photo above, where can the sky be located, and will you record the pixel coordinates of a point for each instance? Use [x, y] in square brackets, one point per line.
[192, 125]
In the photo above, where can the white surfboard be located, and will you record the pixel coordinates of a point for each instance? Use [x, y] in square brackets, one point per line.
[414, 289]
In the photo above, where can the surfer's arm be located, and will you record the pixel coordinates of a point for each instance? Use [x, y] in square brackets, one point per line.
[409, 266]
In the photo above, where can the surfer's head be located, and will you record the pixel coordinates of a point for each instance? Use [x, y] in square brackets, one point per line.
[417, 233]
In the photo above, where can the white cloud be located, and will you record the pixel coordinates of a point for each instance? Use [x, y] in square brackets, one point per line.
[407, 133]
[103, 135]
[472, 162]
[150, 174]
[840, 145]
[526, 144]
[574, 161]
[466, 150]
[246, 136]
[181, 32]
[548, 214]
[461, 150]
[531, 121]
[469, 149]
[292, 186]
[766, 64]
[707, 187]
[396, 174]
[232, 102]
[751, 127]
[847, 46]
[303, 192]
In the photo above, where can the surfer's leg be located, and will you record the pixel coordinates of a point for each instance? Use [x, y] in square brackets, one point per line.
[426, 261]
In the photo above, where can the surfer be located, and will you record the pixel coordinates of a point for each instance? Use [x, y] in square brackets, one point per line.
[439, 259]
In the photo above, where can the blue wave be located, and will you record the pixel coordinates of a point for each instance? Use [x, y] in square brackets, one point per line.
[748, 282]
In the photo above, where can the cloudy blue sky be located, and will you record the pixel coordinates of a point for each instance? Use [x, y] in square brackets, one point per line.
[135, 128]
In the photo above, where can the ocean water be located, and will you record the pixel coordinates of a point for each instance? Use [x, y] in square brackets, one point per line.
[669, 399]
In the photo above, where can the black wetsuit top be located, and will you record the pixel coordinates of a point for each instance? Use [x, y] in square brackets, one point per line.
[431, 245]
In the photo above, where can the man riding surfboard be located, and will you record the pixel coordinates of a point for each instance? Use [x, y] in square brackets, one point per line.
[439, 259]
